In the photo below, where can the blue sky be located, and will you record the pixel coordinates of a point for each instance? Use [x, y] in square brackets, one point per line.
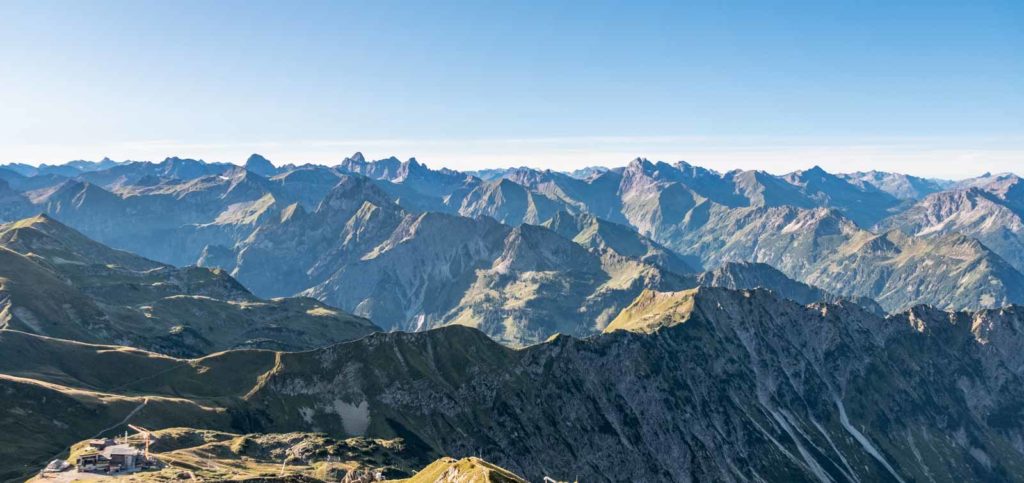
[934, 88]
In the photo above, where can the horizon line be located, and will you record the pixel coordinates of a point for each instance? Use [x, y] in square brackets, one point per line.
[927, 157]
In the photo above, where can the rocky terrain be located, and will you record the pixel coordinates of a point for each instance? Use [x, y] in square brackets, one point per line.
[709, 384]
[989, 209]
[350, 235]
[654, 322]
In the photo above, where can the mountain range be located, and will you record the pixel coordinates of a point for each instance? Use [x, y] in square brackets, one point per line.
[55, 282]
[319, 231]
[706, 384]
[651, 322]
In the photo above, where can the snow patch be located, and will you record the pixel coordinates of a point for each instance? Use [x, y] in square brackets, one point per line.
[355, 419]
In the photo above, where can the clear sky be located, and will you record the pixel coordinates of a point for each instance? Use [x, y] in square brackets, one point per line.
[933, 87]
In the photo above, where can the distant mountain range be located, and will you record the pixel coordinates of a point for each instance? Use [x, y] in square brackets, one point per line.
[651, 322]
[363, 232]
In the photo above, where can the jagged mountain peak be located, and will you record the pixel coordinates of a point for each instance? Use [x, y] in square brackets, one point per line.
[815, 170]
[656, 169]
[508, 202]
[350, 192]
[75, 192]
[640, 163]
[260, 165]
[694, 171]
[527, 176]
[175, 161]
[937, 322]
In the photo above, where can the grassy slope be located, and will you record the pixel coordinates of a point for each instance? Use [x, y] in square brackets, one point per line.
[217, 455]
[56, 282]
[467, 470]
[41, 420]
[131, 371]
[653, 310]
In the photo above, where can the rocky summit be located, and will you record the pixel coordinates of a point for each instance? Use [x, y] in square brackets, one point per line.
[383, 320]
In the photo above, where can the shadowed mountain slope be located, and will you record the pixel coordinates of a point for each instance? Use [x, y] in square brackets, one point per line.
[757, 387]
[56, 282]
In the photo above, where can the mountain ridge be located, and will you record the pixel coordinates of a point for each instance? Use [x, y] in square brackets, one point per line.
[803, 393]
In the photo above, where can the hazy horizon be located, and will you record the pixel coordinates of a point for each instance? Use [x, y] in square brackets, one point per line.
[612, 165]
[922, 88]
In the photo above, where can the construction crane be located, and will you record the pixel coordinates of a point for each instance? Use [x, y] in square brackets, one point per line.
[145, 434]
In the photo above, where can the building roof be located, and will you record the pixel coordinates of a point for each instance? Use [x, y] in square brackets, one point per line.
[120, 449]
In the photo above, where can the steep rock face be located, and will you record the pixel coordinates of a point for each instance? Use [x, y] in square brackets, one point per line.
[763, 189]
[594, 196]
[993, 213]
[655, 209]
[757, 388]
[519, 285]
[790, 239]
[708, 384]
[594, 233]
[364, 253]
[260, 165]
[412, 277]
[306, 185]
[746, 275]
[56, 282]
[542, 284]
[290, 253]
[898, 271]
[509, 203]
[823, 248]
